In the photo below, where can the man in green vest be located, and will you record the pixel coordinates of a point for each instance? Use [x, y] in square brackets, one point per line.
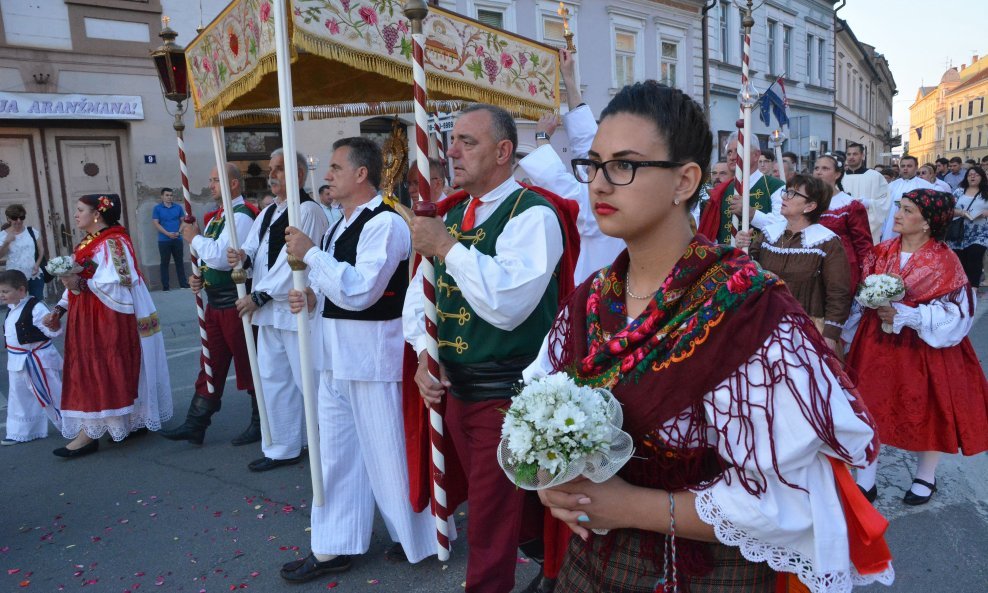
[224, 330]
[496, 256]
[718, 220]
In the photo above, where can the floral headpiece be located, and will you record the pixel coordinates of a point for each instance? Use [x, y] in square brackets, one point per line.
[937, 207]
[104, 204]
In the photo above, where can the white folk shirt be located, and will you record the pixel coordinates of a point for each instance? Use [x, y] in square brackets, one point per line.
[358, 350]
[761, 220]
[277, 280]
[212, 252]
[896, 189]
[50, 358]
[502, 289]
[871, 189]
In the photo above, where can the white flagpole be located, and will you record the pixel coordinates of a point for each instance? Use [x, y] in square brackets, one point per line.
[286, 102]
[240, 278]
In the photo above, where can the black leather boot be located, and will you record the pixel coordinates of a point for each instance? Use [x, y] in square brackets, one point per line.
[196, 421]
[252, 433]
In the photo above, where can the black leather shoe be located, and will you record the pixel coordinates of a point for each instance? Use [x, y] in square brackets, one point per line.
[870, 495]
[266, 463]
[541, 584]
[913, 499]
[396, 553]
[67, 453]
[308, 568]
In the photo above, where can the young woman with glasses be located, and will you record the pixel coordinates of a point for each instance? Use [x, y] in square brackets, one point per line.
[741, 416]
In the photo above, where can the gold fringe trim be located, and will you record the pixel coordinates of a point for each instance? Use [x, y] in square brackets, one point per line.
[208, 115]
[402, 72]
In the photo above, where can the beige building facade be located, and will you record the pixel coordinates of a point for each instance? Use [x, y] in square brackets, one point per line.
[951, 119]
[865, 89]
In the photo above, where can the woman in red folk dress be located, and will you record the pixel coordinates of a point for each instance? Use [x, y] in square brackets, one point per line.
[922, 382]
[846, 216]
[116, 375]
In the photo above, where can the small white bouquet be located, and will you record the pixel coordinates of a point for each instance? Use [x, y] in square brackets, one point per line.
[62, 265]
[878, 290]
[556, 430]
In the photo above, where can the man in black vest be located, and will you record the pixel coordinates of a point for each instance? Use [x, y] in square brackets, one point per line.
[264, 256]
[360, 275]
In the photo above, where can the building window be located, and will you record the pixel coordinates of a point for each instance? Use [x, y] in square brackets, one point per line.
[725, 13]
[968, 141]
[773, 67]
[820, 77]
[491, 18]
[552, 31]
[970, 108]
[624, 57]
[951, 113]
[860, 96]
[668, 62]
[840, 77]
[810, 62]
[950, 143]
[786, 51]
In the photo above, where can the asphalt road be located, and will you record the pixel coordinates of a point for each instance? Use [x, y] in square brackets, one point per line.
[155, 515]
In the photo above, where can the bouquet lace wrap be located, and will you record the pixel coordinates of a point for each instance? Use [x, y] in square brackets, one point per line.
[879, 290]
[556, 431]
[62, 265]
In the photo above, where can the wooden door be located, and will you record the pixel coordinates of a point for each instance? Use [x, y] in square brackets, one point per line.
[87, 165]
[20, 179]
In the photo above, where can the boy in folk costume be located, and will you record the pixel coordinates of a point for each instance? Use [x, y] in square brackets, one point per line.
[34, 366]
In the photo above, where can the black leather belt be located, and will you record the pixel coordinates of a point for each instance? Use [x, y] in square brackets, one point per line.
[222, 298]
[483, 381]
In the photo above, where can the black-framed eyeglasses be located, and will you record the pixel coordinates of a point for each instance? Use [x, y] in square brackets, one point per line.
[616, 171]
[791, 193]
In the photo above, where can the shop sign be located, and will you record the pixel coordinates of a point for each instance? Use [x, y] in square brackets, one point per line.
[65, 106]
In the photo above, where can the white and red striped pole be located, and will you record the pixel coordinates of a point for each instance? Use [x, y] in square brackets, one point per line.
[747, 97]
[207, 364]
[440, 147]
[416, 11]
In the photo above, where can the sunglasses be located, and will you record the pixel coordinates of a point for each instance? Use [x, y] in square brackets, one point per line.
[13, 218]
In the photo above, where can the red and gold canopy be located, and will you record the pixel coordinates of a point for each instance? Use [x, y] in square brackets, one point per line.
[353, 57]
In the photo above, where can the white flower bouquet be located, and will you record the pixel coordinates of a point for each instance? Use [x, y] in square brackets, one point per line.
[878, 290]
[556, 430]
[62, 265]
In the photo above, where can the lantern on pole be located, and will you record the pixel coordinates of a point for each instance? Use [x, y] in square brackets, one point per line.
[170, 64]
[747, 97]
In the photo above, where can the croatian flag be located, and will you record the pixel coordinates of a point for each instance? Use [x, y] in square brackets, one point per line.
[778, 104]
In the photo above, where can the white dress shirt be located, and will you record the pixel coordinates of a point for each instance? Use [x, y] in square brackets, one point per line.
[760, 220]
[357, 350]
[276, 281]
[50, 358]
[505, 288]
[212, 252]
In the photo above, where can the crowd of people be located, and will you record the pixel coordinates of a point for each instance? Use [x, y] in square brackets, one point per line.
[750, 382]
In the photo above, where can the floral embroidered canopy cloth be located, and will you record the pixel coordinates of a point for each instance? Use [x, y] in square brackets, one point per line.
[353, 57]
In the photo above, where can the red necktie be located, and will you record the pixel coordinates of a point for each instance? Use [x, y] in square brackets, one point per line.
[470, 216]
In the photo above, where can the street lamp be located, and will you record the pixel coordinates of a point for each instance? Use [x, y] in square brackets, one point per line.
[172, 69]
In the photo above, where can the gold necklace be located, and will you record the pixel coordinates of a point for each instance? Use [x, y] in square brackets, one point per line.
[627, 289]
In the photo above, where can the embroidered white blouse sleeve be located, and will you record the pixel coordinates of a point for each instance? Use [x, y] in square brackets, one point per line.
[212, 252]
[505, 288]
[384, 242]
[111, 286]
[940, 323]
[799, 527]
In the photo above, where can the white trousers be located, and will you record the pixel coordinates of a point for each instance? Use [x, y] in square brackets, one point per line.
[26, 419]
[362, 442]
[281, 378]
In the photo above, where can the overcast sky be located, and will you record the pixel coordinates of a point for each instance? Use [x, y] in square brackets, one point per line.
[920, 40]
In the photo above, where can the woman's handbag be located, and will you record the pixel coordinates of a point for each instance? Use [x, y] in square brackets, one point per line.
[42, 267]
[955, 230]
